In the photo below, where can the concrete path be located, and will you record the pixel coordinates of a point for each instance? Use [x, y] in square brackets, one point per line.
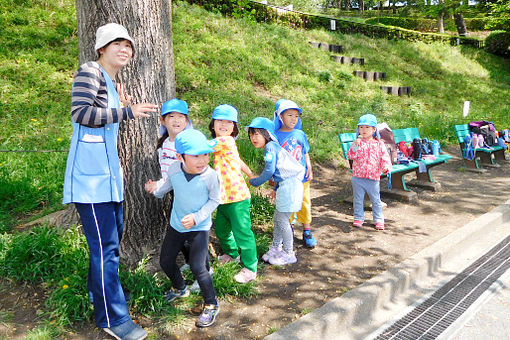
[365, 311]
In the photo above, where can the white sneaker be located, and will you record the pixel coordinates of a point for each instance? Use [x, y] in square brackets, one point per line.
[245, 275]
[283, 258]
[227, 258]
[272, 252]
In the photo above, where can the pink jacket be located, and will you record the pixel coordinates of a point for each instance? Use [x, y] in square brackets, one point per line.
[370, 159]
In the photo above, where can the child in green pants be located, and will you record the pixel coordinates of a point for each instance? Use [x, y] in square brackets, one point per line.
[233, 222]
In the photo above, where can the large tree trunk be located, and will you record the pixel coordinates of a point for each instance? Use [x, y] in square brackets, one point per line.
[461, 24]
[148, 78]
[440, 22]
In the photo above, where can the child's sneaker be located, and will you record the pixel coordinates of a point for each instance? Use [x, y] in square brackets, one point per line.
[208, 315]
[245, 275]
[379, 226]
[174, 294]
[273, 251]
[225, 258]
[310, 242]
[283, 258]
[127, 331]
[357, 223]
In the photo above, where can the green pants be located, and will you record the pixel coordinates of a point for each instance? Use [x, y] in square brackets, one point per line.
[233, 228]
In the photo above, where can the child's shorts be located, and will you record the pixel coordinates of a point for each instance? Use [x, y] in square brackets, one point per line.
[289, 195]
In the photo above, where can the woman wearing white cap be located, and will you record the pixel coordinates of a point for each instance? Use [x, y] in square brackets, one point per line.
[94, 178]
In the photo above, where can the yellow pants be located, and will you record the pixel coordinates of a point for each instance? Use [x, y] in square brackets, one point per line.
[304, 215]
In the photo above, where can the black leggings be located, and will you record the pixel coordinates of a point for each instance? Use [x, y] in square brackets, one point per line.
[198, 260]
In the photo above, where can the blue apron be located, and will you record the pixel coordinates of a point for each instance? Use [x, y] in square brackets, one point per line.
[93, 172]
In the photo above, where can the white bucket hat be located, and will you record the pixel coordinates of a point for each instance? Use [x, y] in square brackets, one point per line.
[109, 32]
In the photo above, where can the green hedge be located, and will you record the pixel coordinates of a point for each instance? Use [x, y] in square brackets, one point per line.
[252, 10]
[427, 25]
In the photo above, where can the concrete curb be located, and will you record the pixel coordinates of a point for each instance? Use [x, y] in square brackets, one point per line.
[361, 311]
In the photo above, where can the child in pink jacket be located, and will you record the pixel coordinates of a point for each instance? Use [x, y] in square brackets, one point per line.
[370, 159]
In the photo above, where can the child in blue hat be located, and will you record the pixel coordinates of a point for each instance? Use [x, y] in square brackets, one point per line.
[197, 194]
[233, 221]
[174, 119]
[288, 130]
[369, 159]
[287, 173]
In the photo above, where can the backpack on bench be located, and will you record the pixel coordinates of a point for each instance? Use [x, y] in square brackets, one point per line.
[486, 130]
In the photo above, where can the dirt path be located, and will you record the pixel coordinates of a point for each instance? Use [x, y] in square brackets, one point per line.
[345, 258]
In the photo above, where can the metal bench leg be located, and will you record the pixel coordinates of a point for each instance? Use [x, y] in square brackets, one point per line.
[424, 176]
[398, 181]
[485, 158]
[499, 155]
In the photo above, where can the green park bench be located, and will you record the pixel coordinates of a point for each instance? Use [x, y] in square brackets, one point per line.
[398, 183]
[423, 179]
[482, 156]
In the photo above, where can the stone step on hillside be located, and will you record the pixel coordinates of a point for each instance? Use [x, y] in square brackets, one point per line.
[348, 60]
[397, 90]
[327, 47]
[369, 75]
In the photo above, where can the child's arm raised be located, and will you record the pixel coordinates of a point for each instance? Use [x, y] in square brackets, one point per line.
[353, 150]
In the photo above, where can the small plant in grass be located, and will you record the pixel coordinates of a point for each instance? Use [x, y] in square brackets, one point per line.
[305, 311]
[46, 331]
[273, 329]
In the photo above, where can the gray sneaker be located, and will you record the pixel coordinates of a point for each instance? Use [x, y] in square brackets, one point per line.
[175, 294]
[127, 331]
[208, 316]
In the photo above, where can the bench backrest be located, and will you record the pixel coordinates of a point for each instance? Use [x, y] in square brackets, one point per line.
[406, 135]
[346, 140]
[461, 131]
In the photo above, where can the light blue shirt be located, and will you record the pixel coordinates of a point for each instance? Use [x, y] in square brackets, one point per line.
[193, 194]
[93, 172]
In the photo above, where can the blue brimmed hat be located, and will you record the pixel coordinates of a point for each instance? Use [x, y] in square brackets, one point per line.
[281, 106]
[263, 123]
[225, 112]
[193, 142]
[174, 105]
[368, 119]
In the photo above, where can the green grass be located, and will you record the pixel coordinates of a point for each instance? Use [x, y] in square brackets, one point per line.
[58, 261]
[225, 60]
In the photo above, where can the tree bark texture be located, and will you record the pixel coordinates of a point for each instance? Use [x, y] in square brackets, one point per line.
[148, 78]
[461, 24]
[440, 22]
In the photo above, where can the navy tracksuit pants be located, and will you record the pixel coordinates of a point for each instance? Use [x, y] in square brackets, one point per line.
[103, 226]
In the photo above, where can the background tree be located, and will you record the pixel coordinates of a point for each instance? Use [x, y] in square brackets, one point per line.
[150, 78]
[499, 16]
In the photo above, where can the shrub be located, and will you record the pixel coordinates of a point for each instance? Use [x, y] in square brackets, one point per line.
[498, 42]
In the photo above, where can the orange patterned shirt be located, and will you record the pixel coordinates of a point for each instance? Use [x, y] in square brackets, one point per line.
[227, 163]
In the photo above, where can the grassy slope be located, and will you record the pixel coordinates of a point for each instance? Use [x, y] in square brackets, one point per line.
[222, 60]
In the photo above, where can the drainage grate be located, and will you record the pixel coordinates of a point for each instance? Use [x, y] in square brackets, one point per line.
[437, 313]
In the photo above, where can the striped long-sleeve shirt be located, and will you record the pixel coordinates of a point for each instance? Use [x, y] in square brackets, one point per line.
[89, 99]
